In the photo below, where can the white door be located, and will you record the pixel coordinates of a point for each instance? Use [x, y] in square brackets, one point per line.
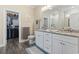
[57, 46]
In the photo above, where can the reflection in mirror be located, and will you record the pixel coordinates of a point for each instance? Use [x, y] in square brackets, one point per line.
[54, 21]
[74, 21]
[50, 18]
[60, 16]
[72, 16]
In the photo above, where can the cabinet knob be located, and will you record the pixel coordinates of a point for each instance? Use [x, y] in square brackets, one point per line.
[47, 40]
[62, 43]
[47, 48]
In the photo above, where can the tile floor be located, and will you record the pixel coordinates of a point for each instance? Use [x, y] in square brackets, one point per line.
[14, 47]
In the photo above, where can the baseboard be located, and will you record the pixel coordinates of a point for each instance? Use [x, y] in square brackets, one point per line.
[2, 45]
[41, 49]
[21, 41]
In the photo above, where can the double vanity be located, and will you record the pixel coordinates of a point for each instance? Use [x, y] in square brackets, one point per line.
[62, 34]
[57, 42]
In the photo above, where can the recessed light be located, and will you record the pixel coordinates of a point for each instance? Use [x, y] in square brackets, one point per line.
[47, 7]
[72, 7]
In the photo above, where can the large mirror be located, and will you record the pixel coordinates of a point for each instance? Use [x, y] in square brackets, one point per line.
[52, 17]
[61, 16]
[72, 17]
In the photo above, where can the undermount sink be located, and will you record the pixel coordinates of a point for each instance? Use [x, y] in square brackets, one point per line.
[55, 30]
[47, 29]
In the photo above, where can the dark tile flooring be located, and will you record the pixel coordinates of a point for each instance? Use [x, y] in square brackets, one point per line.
[14, 47]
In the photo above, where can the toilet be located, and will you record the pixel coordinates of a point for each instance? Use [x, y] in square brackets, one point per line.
[31, 39]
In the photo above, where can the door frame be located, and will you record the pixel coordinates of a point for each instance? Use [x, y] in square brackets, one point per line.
[5, 23]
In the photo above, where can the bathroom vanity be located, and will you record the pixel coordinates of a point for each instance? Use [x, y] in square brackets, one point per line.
[57, 42]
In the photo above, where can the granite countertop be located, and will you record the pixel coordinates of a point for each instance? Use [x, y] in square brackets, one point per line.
[66, 33]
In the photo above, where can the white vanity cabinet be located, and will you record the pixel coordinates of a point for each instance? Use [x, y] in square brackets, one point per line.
[39, 39]
[56, 47]
[43, 40]
[56, 43]
[64, 44]
[69, 48]
[47, 42]
[70, 45]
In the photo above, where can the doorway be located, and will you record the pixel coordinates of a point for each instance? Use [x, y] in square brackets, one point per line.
[12, 27]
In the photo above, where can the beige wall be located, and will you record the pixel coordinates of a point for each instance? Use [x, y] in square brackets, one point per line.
[38, 15]
[27, 17]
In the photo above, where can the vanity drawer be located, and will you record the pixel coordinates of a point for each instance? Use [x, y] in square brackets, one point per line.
[39, 33]
[47, 48]
[68, 39]
[72, 40]
[47, 36]
[39, 39]
[46, 33]
[47, 42]
[56, 36]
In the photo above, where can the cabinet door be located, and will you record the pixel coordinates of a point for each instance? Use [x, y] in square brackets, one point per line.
[69, 48]
[39, 39]
[47, 42]
[56, 46]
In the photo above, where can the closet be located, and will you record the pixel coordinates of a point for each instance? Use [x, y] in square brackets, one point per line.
[12, 25]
